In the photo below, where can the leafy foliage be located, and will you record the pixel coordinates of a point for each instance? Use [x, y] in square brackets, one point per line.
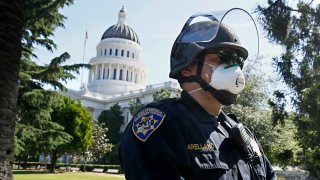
[163, 93]
[299, 67]
[278, 107]
[113, 120]
[77, 122]
[35, 103]
[135, 105]
[36, 131]
[100, 144]
[42, 18]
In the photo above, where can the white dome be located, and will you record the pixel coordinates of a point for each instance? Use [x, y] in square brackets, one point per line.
[118, 65]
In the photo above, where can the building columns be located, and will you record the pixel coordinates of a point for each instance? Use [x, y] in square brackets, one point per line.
[90, 75]
[109, 72]
[96, 72]
[125, 73]
[118, 72]
[102, 72]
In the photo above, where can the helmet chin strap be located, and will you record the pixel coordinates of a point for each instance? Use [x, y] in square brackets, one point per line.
[223, 96]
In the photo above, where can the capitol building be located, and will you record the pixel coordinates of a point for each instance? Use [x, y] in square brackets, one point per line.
[118, 73]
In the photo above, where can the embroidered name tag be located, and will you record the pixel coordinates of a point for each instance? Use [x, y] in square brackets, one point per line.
[202, 147]
[146, 122]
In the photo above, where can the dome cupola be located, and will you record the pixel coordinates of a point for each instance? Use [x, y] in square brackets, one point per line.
[121, 30]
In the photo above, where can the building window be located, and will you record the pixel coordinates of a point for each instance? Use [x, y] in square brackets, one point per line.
[127, 76]
[114, 73]
[110, 52]
[128, 53]
[133, 55]
[105, 52]
[122, 52]
[120, 78]
[108, 74]
[104, 73]
[131, 77]
[116, 52]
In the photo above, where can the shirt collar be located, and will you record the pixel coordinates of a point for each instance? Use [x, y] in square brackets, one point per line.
[196, 109]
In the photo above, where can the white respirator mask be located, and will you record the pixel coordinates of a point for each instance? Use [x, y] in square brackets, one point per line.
[227, 77]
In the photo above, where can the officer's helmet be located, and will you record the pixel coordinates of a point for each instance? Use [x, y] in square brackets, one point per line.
[198, 38]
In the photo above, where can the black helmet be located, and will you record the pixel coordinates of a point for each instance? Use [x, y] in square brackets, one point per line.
[198, 38]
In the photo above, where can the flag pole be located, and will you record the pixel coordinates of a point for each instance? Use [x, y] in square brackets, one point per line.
[83, 55]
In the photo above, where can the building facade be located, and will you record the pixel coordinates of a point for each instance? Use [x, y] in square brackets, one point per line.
[118, 73]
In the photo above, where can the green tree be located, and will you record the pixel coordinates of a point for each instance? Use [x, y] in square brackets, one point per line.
[42, 18]
[296, 28]
[77, 122]
[100, 144]
[113, 120]
[35, 103]
[162, 94]
[135, 105]
[35, 132]
[11, 27]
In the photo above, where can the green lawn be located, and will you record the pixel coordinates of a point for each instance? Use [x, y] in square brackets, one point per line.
[40, 175]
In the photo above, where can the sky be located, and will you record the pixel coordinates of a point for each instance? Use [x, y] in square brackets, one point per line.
[157, 24]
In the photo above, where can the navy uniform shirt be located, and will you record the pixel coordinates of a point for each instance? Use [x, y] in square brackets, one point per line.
[178, 139]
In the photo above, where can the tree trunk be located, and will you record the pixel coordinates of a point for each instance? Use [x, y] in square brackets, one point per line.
[25, 161]
[84, 165]
[11, 24]
[54, 157]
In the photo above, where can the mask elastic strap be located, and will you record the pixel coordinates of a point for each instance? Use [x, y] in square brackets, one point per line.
[195, 90]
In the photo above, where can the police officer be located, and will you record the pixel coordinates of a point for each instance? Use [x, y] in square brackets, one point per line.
[191, 137]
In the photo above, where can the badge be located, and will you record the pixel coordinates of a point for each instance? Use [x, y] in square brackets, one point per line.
[255, 147]
[146, 122]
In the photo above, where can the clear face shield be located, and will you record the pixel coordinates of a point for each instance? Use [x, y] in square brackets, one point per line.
[201, 30]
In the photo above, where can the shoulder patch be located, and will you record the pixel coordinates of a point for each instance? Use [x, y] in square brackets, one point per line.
[146, 122]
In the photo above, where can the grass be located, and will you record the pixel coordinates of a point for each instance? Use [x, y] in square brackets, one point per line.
[43, 175]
